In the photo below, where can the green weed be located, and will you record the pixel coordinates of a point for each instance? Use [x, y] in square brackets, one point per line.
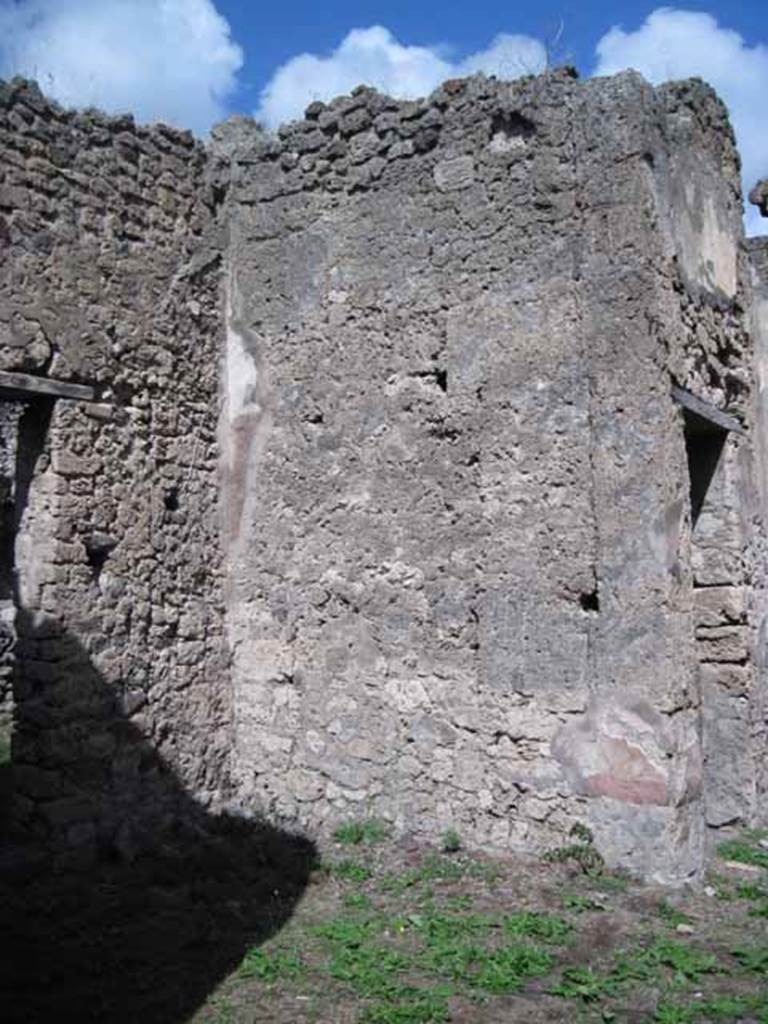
[584, 984]
[746, 850]
[357, 901]
[733, 1007]
[613, 882]
[753, 959]
[528, 923]
[451, 841]
[374, 971]
[436, 868]
[686, 962]
[348, 931]
[667, 1013]
[672, 915]
[582, 852]
[350, 871]
[507, 969]
[750, 891]
[356, 833]
[579, 904]
[423, 1007]
[270, 967]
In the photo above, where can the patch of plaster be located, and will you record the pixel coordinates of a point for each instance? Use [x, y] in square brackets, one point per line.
[616, 750]
[246, 421]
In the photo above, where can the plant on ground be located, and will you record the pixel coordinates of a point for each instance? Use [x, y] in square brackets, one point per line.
[507, 969]
[357, 901]
[423, 1007]
[667, 1013]
[529, 923]
[451, 841]
[350, 871]
[436, 868]
[270, 967]
[583, 983]
[686, 961]
[367, 832]
[747, 849]
[582, 852]
[671, 914]
[753, 959]
[734, 1007]
[374, 971]
[579, 904]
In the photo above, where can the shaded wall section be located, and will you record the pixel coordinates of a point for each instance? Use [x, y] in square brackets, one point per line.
[109, 277]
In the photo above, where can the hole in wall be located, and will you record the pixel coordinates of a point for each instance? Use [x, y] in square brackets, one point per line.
[98, 548]
[510, 131]
[589, 601]
[704, 442]
[171, 499]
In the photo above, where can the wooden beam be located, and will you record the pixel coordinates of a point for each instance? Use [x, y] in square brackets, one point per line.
[706, 411]
[25, 385]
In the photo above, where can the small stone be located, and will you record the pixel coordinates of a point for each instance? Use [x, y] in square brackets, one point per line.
[750, 869]
[684, 929]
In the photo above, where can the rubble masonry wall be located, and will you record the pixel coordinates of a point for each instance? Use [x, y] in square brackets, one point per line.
[109, 277]
[463, 576]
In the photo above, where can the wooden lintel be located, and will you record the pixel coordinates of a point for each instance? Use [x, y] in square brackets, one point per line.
[26, 385]
[706, 411]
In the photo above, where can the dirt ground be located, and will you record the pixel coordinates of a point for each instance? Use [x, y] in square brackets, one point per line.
[246, 924]
[389, 933]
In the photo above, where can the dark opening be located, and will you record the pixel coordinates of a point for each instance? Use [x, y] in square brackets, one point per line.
[512, 125]
[589, 601]
[98, 547]
[704, 442]
[171, 499]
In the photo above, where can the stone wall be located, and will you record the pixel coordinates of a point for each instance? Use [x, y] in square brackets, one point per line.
[110, 277]
[448, 550]
[461, 557]
[758, 254]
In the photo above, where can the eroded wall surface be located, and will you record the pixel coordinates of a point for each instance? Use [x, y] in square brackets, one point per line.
[461, 565]
[412, 464]
[109, 277]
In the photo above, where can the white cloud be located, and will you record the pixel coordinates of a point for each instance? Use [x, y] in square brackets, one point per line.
[373, 56]
[680, 44]
[162, 60]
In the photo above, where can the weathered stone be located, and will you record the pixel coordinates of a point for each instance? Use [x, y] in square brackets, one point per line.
[454, 174]
[447, 549]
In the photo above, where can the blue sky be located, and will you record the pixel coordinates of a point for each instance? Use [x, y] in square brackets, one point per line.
[273, 33]
[193, 62]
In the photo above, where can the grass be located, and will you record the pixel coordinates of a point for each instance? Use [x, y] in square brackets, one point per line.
[350, 871]
[382, 938]
[672, 915]
[746, 849]
[451, 841]
[270, 967]
[580, 904]
[361, 833]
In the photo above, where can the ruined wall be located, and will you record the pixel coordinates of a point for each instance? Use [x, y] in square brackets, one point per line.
[462, 574]
[467, 584]
[109, 276]
[706, 291]
[758, 254]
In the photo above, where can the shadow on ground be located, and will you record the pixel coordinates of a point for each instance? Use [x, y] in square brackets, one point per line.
[142, 932]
